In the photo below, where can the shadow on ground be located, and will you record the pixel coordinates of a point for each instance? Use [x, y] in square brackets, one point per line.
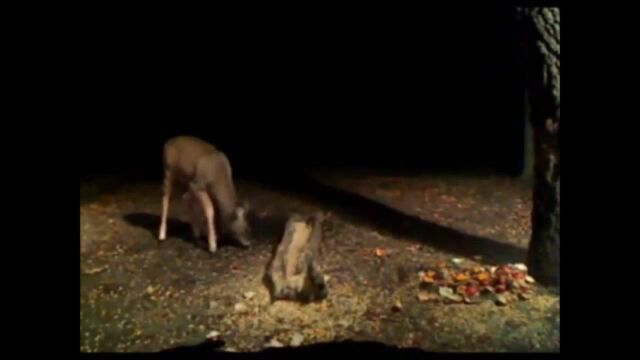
[266, 229]
[383, 218]
[322, 349]
[177, 229]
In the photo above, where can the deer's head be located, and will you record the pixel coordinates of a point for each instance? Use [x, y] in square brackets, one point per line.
[240, 227]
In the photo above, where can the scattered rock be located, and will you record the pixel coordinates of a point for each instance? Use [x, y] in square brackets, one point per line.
[296, 339]
[249, 295]
[274, 343]
[397, 307]
[240, 308]
[524, 296]
[501, 300]
[468, 300]
[213, 305]
[96, 270]
[530, 279]
[457, 261]
[213, 335]
[344, 323]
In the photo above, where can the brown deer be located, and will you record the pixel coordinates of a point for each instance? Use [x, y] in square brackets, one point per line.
[205, 171]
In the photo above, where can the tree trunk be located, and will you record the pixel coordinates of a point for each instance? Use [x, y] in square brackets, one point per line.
[542, 31]
[529, 150]
[293, 272]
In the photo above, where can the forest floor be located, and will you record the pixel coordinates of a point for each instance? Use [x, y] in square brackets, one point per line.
[141, 295]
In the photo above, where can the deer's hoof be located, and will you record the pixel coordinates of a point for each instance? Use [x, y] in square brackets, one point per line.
[213, 248]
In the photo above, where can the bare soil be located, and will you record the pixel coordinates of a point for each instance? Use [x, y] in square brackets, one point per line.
[141, 295]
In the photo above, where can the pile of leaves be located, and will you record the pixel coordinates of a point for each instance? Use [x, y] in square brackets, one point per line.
[502, 284]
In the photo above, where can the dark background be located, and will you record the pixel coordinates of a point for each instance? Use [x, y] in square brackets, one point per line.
[442, 93]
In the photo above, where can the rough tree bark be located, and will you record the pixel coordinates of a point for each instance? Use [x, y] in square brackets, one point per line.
[293, 272]
[528, 153]
[542, 31]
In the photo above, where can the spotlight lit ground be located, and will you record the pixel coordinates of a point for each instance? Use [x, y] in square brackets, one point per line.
[139, 295]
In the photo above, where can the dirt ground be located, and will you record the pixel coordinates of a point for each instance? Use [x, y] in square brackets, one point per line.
[141, 295]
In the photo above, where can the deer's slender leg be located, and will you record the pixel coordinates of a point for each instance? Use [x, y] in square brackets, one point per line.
[207, 205]
[166, 196]
[194, 219]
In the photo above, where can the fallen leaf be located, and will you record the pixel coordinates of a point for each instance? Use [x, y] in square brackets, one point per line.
[483, 276]
[444, 275]
[379, 252]
[424, 296]
[427, 278]
[487, 290]
[518, 275]
[520, 267]
[448, 294]
[500, 288]
[460, 277]
[471, 291]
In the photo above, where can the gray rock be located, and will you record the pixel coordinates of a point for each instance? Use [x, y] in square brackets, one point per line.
[274, 343]
[240, 308]
[296, 339]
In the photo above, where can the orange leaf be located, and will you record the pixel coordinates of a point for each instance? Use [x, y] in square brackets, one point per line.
[379, 252]
[427, 279]
[460, 277]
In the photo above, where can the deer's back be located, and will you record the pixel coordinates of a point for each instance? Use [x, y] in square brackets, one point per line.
[189, 157]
